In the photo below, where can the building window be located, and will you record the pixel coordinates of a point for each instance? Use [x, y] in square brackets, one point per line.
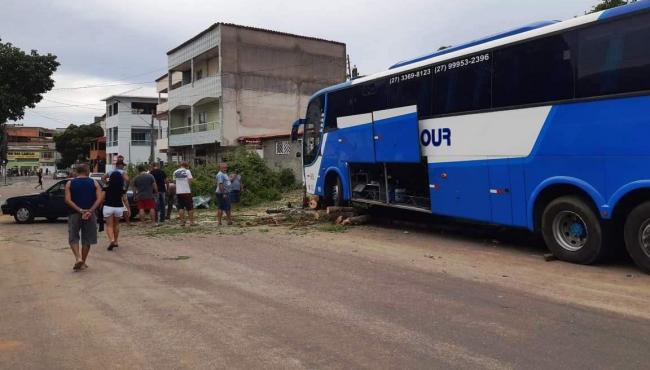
[282, 147]
[110, 110]
[199, 74]
[114, 108]
[143, 108]
[47, 155]
[203, 117]
[140, 137]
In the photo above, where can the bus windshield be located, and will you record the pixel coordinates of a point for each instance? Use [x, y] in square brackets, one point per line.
[313, 123]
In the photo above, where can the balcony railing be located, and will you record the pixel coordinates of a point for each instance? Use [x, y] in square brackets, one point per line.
[140, 142]
[111, 143]
[199, 127]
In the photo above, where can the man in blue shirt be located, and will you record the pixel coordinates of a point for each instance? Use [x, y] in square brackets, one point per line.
[83, 196]
[223, 194]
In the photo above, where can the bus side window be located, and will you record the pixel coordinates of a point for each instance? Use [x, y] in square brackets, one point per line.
[537, 71]
[417, 91]
[614, 58]
[465, 88]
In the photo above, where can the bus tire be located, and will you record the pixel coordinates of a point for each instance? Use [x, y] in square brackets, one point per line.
[637, 236]
[572, 231]
[333, 192]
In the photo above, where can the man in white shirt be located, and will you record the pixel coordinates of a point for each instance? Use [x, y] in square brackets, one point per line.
[183, 178]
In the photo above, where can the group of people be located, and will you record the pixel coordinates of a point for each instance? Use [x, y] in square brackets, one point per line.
[153, 194]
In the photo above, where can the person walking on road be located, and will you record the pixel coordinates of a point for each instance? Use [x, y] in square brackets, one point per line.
[114, 204]
[183, 178]
[145, 193]
[119, 167]
[161, 198]
[223, 194]
[39, 173]
[236, 187]
[83, 196]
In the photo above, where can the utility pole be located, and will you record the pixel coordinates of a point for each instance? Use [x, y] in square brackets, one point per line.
[151, 153]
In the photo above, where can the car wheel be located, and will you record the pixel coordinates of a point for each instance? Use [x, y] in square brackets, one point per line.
[24, 215]
[572, 231]
[637, 236]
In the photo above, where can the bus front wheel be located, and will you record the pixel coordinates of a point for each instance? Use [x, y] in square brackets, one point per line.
[333, 192]
[637, 236]
[573, 231]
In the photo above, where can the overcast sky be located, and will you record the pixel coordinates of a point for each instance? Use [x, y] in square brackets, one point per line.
[123, 43]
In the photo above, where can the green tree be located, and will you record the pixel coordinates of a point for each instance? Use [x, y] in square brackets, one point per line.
[608, 4]
[74, 142]
[23, 79]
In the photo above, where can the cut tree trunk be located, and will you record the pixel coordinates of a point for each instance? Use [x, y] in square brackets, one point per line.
[331, 210]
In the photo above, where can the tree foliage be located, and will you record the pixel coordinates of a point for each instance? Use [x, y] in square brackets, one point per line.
[74, 142]
[609, 4]
[23, 79]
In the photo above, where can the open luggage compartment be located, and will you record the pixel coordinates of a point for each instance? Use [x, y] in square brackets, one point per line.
[402, 185]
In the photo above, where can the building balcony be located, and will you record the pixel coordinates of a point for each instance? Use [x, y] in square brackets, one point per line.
[162, 107]
[197, 134]
[191, 93]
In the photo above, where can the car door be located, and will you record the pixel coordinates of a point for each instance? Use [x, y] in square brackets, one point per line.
[55, 201]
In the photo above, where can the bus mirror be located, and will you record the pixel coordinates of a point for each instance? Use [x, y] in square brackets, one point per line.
[295, 128]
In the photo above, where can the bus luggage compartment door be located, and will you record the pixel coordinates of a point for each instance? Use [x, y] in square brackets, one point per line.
[396, 135]
[353, 140]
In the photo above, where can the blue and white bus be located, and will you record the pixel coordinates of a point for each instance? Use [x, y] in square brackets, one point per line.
[545, 127]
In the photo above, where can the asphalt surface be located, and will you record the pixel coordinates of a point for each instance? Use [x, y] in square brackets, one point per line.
[371, 298]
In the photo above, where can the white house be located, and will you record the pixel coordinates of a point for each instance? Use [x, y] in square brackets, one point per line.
[131, 128]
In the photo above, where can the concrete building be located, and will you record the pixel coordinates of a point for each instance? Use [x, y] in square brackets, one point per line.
[277, 151]
[162, 114]
[231, 82]
[30, 149]
[129, 131]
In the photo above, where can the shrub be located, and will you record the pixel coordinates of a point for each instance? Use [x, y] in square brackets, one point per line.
[287, 179]
[261, 184]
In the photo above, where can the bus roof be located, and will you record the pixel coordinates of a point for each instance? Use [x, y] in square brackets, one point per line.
[503, 38]
[497, 36]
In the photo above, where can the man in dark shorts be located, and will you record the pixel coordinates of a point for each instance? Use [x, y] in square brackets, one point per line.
[160, 177]
[83, 196]
[183, 178]
[145, 193]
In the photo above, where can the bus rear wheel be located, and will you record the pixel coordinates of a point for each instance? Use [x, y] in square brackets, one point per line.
[333, 192]
[637, 236]
[572, 231]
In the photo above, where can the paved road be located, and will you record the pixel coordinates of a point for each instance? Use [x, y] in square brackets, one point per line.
[278, 298]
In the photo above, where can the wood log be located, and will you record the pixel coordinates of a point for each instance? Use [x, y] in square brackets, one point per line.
[339, 220]
[344, 215]
[331, 210]
[358, 220]
[313, 202]
[320, 215]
